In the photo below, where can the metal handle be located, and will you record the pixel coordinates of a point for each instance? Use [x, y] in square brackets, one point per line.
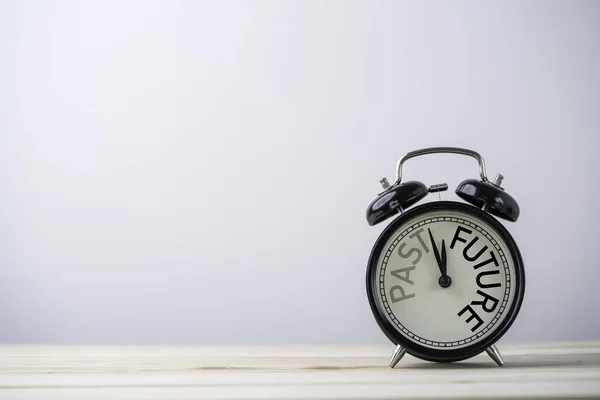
[434, 150]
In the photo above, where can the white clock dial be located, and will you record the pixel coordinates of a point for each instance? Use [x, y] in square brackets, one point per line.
[482, 272]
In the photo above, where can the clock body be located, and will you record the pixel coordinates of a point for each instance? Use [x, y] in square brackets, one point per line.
[455, 321]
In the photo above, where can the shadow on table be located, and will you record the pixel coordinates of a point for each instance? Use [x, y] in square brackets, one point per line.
[550, 361]
[515, 362]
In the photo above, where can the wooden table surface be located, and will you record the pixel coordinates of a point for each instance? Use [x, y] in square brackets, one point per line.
[548, 371]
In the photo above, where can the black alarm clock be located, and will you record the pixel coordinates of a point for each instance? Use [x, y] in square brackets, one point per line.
[445, 279]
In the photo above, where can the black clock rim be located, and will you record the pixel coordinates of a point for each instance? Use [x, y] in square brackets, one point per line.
[445, 355]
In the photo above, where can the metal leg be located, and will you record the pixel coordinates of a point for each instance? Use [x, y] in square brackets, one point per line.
[495, 355]
[397, 356]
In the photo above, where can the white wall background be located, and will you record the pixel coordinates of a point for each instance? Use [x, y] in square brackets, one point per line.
[198, 171]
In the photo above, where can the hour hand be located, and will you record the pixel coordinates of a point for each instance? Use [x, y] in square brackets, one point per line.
[444, 280]
[444, 268]
[437, 253]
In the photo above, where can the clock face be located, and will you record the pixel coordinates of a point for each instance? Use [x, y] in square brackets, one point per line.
[447, 277]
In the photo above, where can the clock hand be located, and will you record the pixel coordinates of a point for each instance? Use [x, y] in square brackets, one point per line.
[445, 279]
[444, 260]
[436, 252]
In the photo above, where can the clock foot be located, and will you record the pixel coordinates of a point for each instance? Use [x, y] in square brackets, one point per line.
[397, 356]
[495, 355]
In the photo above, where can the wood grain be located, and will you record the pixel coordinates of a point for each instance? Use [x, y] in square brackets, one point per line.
[548, 371]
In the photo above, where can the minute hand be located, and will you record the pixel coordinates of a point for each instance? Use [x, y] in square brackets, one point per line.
[440, 264]
[444, 268]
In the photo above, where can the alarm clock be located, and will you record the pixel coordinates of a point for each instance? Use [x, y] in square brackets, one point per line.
[445, 279]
